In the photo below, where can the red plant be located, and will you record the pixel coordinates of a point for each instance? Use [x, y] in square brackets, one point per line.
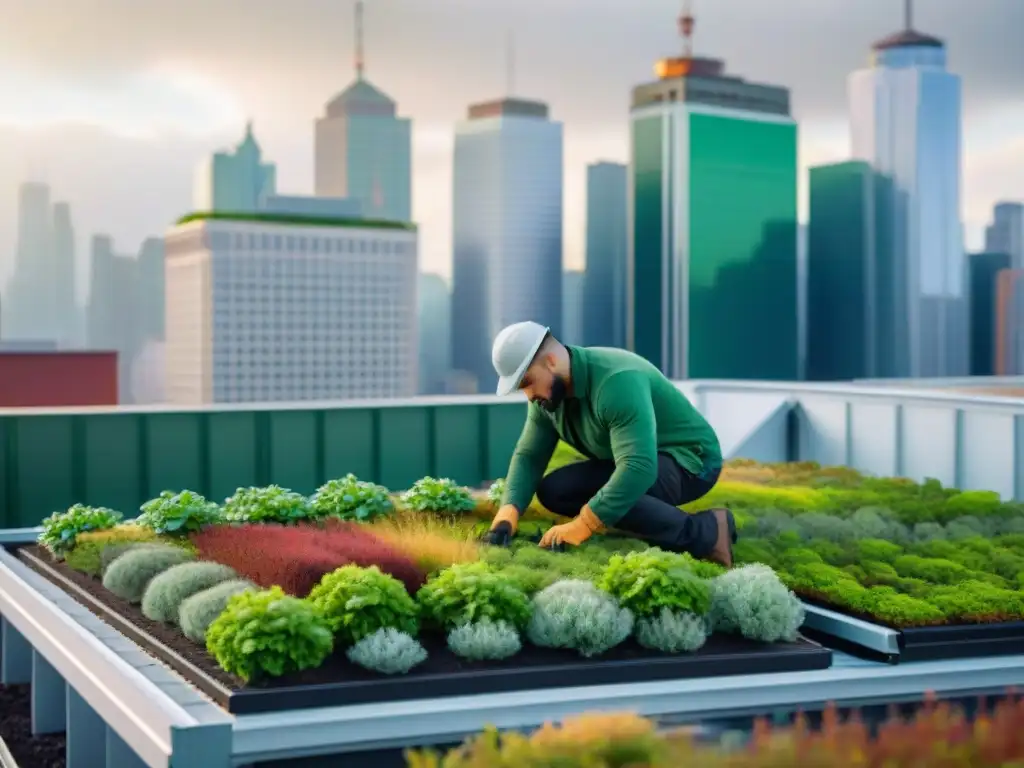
[296, 557]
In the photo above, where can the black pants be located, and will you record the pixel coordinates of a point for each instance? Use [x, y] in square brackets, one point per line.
[655, 517]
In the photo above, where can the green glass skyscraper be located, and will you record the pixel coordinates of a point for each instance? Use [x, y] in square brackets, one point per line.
[711, 268]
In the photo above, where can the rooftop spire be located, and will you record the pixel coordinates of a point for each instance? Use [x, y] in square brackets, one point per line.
[908, 14]
[360, 63]
[686, 22]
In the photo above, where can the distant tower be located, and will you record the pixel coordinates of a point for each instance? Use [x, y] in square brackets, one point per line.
[712, 191]
[235, 181]
[905, 113]
[363, 150]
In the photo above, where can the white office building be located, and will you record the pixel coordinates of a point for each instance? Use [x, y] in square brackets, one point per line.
[274, 307]
[506, 228]
[905, 114]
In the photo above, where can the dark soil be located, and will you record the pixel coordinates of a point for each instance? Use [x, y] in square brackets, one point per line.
[16, 730]
[440, 661]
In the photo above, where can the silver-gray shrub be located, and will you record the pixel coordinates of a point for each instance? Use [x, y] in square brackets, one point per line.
[130, 574]
[671, 632]
[114, 550]
[484, 640]
[753, 601]
[879, 523]
[164, 595]
[575, 614]
[387, 651]
[196, 613]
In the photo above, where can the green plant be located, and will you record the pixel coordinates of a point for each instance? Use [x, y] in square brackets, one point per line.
[753, 601]
[163, 596]
[197, 612]
[496, 491]
[469, 592]
[349, 498]
[646, 582]
[178, 514]
[357, 602]
[60, 529]
[672, 632]
[271, 504]
[484, 640]
[130, 574]
[388, 651]
[87, 554]
[429, 494]
[575, 614]
[268, 633]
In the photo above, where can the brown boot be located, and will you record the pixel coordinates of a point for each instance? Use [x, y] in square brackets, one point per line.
[721, 553]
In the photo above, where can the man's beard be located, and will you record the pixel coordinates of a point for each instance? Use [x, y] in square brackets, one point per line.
[559, 389]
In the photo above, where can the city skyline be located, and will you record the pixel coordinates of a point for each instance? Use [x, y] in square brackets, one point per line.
[591, 99]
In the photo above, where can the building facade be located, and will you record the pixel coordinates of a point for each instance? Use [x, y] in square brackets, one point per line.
[1009, 339]
[603, 314]
[711, 268]
[1006, 232]
[273, 308]
[237, 181]
[572, 306]
[905, 112]
[984, 273]
[851, 274]
[435, 333]
[54, 379]
[506, 229]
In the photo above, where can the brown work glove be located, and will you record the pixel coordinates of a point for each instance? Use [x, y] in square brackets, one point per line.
[503, 526]
[575, 532]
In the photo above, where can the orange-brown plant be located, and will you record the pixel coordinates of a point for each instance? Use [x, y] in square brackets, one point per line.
[430, 541]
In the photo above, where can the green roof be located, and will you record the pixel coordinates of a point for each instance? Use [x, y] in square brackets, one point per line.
[298, 220]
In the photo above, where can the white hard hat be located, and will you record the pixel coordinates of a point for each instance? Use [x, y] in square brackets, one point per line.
[513, 351]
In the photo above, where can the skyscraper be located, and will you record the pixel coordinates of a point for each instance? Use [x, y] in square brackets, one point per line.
[235, 182]
[984, 272]
[363, 149]
[64, 317]
[905, 114]
[1006, 232]
[603, 315]
[572, 306]
[506, 228]
[850, 274]
[435, 333]
[28, 304]
[711, 272]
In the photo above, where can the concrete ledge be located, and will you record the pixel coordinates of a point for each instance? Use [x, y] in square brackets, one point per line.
[6, 758]
[107, 671]
[857, 631]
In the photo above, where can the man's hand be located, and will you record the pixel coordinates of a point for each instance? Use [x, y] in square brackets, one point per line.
[504, 526]
[575, 532]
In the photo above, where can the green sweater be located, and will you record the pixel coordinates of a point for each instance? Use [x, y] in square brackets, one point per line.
[622, 408]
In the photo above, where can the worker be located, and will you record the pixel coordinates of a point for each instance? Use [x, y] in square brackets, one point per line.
[648, 449]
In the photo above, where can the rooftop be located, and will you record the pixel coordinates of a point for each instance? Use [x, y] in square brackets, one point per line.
[295, 220]
[907, 38]
[361, 98]
[508, 108]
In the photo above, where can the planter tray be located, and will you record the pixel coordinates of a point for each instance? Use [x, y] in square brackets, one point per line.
[339, 682]
[954, 641]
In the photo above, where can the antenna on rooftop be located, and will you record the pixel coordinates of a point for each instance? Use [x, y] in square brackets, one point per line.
[686, 23]
[360, 63]
[510, 62]
[908, 14]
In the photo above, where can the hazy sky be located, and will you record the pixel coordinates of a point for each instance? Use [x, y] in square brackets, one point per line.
[113, 102]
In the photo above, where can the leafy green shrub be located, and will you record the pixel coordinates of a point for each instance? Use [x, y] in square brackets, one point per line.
[484, 640]
[977, 601]
[197, 612]
[272, 504]
[179, 514]
[164, 595]
[753, 601]
[388, 651]
[933, 569]
[878, 523]
[429, 494]
[349, 498]
[87, 554]
[469, 592]
[672, 632]
[575, 614]
[820, 526]
[751, 550]
[880, 551]
[496, 491]
[61, 528]
[646, 582]
[356, 602]
[900, 610]
[268, 633]
[130, 574]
